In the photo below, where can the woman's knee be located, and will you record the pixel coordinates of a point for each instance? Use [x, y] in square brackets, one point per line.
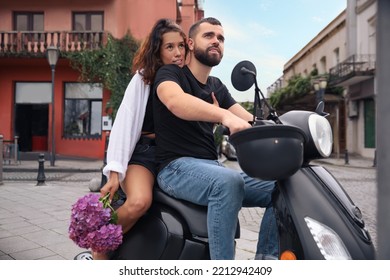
[137, 206]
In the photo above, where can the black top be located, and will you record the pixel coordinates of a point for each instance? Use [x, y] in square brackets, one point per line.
[176, 137]
[148, 124]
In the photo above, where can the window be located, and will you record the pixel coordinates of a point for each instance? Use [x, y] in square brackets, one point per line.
[323, 65]
[83, 110]
[87, 29]
[92, 21]
[372, 36]
[336, 56]
[28, 21]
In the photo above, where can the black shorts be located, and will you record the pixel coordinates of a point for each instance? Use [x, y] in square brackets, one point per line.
[144, 154]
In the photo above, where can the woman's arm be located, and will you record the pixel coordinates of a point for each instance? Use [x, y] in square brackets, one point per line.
[127, 127]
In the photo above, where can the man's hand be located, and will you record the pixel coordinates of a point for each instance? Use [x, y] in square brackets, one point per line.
[234, 123]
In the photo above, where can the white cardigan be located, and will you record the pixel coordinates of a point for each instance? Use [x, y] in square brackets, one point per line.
[127, 127]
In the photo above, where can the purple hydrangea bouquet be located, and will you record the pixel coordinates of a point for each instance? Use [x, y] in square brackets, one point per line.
[93, 224]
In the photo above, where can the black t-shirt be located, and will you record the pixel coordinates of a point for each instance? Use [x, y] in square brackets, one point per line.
[176, 137]
[148, 124]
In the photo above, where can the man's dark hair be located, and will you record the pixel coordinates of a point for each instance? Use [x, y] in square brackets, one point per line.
[194, 28]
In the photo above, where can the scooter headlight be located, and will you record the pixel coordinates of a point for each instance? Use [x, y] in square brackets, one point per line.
[321, 133]
[330, 244]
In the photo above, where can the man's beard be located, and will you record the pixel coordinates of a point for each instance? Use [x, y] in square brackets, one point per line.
[205, 58]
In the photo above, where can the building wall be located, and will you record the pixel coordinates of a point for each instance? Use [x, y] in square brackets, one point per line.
[330, 38]
[120, 16]
[353, 32]
[320, 54]
[361, 29]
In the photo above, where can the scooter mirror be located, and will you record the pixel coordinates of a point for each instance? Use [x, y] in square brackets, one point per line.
[243, 75]
[320, 109]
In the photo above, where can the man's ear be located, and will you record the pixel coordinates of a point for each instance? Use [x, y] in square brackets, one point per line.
[190, 43]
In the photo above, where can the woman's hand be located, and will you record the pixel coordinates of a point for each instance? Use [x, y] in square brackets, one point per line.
[111, 186]
[215, 101]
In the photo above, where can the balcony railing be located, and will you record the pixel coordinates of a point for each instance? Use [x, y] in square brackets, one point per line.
[278, 84]
[34, 43]
[355, 66]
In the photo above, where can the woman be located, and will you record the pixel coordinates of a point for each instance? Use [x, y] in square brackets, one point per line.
[130, 153]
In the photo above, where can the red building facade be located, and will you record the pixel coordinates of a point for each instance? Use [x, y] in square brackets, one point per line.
[28, 28]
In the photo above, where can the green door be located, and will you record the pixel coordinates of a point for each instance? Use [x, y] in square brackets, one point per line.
[369, 123]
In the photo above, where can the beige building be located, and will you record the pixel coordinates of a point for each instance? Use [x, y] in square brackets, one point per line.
[357, 75]
[323, 52]
[344, 53]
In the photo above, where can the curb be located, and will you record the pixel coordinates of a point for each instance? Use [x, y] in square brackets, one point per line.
[321, 161]
[48, 170]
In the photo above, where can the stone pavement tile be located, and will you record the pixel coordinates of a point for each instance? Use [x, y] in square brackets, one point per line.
[5, 257]
[67, 250]
[243, 255]
[62, 230]
[16, 225]
[45, 237]
[62, 215]
[55, 225]
[15, 244]
[54, 258]
[32, 214]
[246, 244]
[7, 220]
[43, 219]
[4, 213]
[33, 254]
[24, 230]
[5, 233]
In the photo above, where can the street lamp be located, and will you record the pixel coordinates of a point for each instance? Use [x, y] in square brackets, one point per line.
[319, 87]
[52, 54]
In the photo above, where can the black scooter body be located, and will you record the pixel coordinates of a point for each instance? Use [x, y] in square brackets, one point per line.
[313, 192]
[172, 229]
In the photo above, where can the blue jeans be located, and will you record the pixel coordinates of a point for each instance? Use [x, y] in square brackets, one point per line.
[224, 191]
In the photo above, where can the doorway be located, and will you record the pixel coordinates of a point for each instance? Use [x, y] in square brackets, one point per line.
[31, 125]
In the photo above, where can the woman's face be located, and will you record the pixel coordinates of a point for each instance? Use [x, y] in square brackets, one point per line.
[172, 49]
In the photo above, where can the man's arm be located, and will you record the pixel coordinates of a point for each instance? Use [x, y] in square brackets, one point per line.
[191, 108]
[240, 111]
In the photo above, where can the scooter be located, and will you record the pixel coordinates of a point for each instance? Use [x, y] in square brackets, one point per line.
[316, 218]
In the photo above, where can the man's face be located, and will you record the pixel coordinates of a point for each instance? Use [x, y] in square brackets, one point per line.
[208, 44]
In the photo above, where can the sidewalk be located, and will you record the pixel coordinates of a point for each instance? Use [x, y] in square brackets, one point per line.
[352, 160]
[91, 166]
[34, 219]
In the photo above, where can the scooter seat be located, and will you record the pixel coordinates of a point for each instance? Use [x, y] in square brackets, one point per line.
[195, 215]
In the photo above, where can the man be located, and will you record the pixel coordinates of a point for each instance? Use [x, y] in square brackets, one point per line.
[185, 113]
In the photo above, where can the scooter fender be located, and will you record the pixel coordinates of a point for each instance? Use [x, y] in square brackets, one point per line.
[313, 192]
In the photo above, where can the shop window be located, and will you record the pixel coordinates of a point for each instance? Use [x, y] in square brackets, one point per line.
[83, 110]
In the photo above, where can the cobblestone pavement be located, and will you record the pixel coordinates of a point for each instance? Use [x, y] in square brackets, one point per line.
[34, 219]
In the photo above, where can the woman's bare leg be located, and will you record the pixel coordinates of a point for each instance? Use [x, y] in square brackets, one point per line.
[138, 187]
